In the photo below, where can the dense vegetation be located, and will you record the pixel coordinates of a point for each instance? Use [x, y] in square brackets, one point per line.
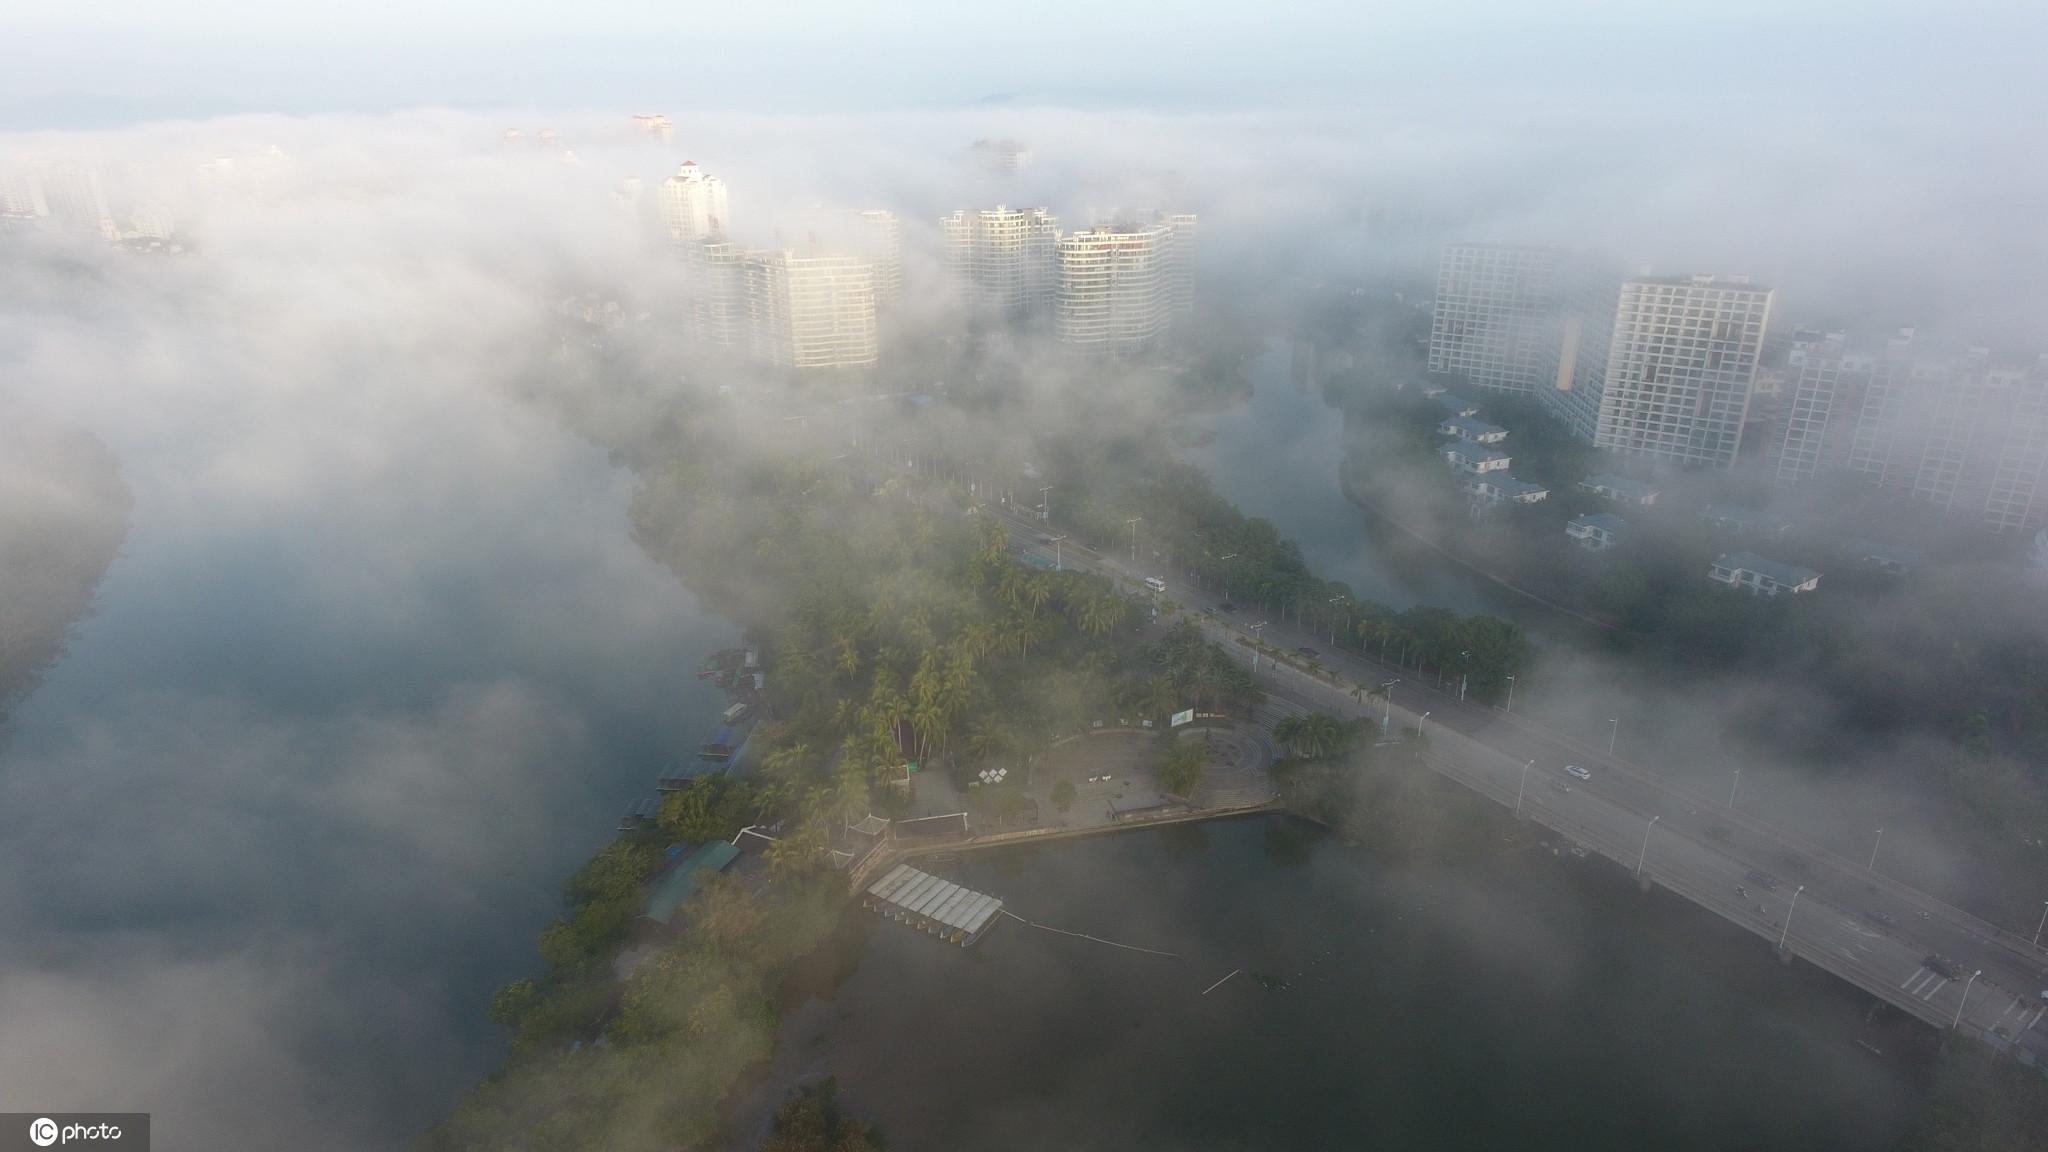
[812, 1121]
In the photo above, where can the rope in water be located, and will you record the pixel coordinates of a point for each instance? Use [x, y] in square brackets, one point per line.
[1097, 939]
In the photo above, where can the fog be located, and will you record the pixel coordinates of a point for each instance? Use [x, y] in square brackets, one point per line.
[379, 659]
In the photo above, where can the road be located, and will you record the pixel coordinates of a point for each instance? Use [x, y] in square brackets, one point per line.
[1860, 925]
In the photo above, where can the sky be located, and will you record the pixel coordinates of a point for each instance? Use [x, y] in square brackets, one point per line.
[109, 62]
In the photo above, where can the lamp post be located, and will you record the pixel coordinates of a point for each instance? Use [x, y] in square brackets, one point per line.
[1419, 733]
[1511, 696]
[1333, 622]
[1058, 554]
[2042, 924]
[1873, 850]
[1133, 522]
[1614, 730]
[1387, 698]
[1226, 575]
[1464, 658]
[1957, 1022]
[1788, 916]
[1045, 503]
[1645, 853]
[1258, 638]
[1523, 787]
[1733, 787]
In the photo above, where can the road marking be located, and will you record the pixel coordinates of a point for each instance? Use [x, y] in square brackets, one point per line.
[1929, 994]
[2037, 1020]
[2004, 1014]
[1910, 976]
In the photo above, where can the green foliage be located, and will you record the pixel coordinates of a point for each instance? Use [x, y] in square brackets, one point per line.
[711, 807]
[684, 1028]
[1319, 735]
[812, 1121]
[1063, 794]
[1181, 763]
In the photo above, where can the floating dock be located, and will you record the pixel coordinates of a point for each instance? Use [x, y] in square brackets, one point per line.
[925, 902]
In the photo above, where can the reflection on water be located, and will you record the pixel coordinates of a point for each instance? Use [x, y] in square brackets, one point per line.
[305, 789]
[1530, 1003]
[1277, 456]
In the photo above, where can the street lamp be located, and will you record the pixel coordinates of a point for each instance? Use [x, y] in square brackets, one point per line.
[1133, 522]
[1419, 733]
[1387, 698]
[1333, 622]
[2042, 924]
[1258, 638]
[1733, 787]
[1045, 503]
[1464, 658]
[1523, 787]
[1613, 731]
[1058, 554]
[1788, 916]
[1955, 1023]
[1226, 575]
[1511, 696]
[1645, 853]
[1873, 850]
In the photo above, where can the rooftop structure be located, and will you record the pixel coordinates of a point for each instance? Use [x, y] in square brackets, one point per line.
[1620, 489]
[955, 914]
[1476, 431]
[1680, 367]
[1596, 531]
[1456, 406]
[674, 886]
[1747, 521]
[1467, 457]
[1762, 577]
[1501, 488]
[693, 204]
[1884, 557]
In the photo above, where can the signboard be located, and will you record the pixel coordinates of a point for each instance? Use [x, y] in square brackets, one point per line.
[1180, 718]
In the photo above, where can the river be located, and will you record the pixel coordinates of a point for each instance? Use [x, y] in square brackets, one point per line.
[373, 672]
[1534, 1001]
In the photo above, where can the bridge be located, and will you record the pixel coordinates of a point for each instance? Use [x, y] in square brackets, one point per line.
[1903, 946]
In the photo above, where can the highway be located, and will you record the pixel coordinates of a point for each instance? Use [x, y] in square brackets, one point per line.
[1864, 927]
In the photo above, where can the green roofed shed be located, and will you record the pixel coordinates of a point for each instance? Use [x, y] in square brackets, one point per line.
[678, 884]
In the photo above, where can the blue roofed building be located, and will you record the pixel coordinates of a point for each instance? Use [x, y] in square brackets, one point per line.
[674, 886]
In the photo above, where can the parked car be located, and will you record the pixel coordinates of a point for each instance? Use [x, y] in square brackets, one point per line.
[1305, 650]
[1575, 770]
[1227, 606]
[1762, 879]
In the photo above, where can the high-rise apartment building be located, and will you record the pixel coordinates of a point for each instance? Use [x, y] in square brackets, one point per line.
[872, 234]
[1680, 367]
[1003, 258]
[1119, 286]
[1954, 430]
[76, 199]
[1499, 318]
[693, 204]
[718, 292]
[810, 311]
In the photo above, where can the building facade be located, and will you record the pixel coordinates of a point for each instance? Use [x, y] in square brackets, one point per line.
[1953, 429]
[1681, 364]
[1499, 316]
[873, 234]
[1003, 259]
[693, 204]
[1117, 287]
[810, 311]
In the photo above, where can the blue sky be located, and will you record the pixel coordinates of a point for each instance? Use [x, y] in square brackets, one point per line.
[120, 59]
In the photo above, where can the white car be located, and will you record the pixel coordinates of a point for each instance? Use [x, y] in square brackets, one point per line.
[1575, 770]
